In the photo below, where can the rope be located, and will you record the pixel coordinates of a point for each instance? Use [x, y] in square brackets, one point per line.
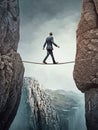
[69, 62]
[29, 62]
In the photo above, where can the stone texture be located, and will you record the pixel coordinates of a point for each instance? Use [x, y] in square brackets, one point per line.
[91, 99]
[86, 63]
[11, 67]
[86, 70]
[9, 25]
[45, 109]
[43, 114]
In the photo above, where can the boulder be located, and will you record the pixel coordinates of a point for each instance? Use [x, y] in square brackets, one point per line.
[86, 62]
[11, 66]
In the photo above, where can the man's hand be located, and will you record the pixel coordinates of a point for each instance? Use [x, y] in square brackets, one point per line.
[58, 46]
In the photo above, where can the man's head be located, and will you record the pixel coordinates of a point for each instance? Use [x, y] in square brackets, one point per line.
[50, 33]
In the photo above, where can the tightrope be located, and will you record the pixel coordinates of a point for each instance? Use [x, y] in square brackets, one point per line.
[61, 63]
[29, 62]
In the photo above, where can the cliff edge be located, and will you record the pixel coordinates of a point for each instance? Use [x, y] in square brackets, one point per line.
[43, 114]
[11, 67]
[86, 63]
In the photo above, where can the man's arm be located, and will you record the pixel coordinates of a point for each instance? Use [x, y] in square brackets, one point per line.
[54, 43]
[44, 45]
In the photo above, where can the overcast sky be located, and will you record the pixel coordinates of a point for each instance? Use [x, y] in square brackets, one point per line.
[38, 18]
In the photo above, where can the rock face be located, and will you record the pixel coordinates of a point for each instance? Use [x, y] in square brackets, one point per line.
[86, 63]
[44, 113]
[11, 67]
[45, 116]
[35, 109]
[48, 109]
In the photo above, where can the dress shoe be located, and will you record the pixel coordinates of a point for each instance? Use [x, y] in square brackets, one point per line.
[44, 62]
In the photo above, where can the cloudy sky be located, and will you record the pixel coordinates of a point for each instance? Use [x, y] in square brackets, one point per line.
[38, 18]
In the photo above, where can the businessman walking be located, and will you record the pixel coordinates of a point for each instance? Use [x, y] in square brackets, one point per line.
[49, 47]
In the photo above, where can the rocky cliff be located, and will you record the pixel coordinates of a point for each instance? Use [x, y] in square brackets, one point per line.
[36, 109]
[86, 63]
[48, 109]
[45, 116]
[11, 67]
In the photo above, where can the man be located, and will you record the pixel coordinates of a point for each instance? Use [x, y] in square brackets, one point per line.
[49, 46]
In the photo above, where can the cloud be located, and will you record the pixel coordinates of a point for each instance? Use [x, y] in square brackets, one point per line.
[46, 9]
[41, 17]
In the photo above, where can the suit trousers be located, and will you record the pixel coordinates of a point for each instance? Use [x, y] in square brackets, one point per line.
[49, 52]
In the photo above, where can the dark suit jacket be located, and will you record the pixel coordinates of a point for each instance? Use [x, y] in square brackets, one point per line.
[49, 43]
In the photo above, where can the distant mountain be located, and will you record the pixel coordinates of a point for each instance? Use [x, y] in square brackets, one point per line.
[47, 109]
[70, 108]
[66, 99]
